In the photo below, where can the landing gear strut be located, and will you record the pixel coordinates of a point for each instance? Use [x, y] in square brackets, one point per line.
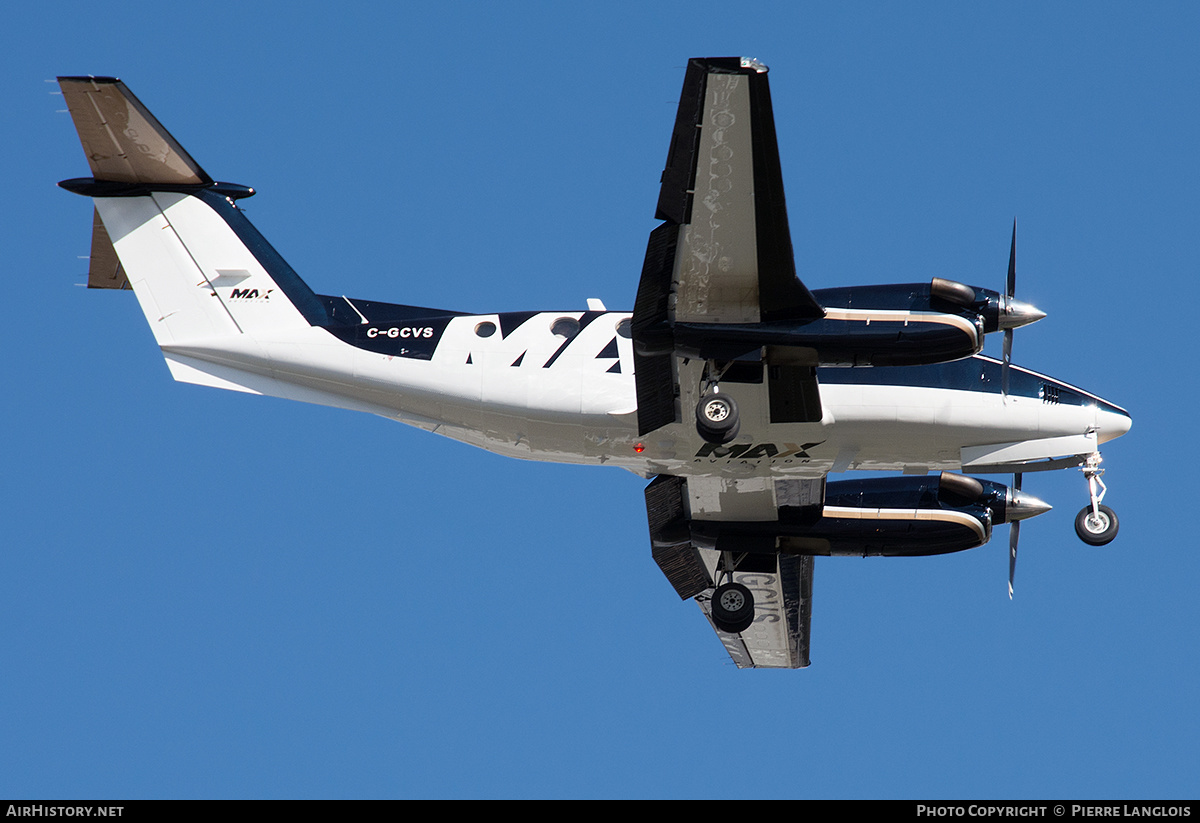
[1095, 524]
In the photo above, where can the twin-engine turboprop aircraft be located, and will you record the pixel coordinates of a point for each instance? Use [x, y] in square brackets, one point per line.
[732, 385]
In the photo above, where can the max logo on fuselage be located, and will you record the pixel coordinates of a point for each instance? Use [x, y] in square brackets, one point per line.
[755, 451]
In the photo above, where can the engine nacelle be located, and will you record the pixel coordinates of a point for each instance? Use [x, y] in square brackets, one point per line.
[892, 325]
[889, 516]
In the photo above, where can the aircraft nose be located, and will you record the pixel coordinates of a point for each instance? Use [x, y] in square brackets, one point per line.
[1023, 505]
[1111, 423]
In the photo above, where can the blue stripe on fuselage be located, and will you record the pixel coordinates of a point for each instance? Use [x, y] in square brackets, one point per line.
[977, 374]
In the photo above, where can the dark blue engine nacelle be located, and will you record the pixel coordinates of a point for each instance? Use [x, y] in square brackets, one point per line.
[889, 516]
[905, 324]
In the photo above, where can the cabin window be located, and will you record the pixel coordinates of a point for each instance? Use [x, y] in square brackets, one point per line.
[485, 329]
[565, 327]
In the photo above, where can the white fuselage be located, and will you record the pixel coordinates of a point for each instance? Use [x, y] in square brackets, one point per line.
[501, 394]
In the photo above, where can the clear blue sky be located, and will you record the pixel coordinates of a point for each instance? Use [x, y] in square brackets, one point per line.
[206, 594]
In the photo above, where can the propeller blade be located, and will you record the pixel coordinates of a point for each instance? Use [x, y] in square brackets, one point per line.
[1008, 333]
[1012, 263]
[1014, 534]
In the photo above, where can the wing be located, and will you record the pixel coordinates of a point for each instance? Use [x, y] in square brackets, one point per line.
[722, 191]
[724, 254]
[781, 584]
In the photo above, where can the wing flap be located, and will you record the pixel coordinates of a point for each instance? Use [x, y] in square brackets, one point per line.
[654, 367]
[670, 543]
[679, 174]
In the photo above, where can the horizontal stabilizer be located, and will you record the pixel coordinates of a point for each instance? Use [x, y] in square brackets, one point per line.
[105, 271]
[123, 141]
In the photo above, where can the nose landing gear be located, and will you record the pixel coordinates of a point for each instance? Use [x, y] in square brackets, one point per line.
[1095, 524]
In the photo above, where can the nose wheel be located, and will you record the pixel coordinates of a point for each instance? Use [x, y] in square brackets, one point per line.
[1096, 524]
[1096, 527]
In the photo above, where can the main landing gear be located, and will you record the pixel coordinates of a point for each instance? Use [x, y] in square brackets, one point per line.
[717, 419]
[1096, 524]
[732, 606]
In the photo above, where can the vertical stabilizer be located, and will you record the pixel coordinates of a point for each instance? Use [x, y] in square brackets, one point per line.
[197, 266]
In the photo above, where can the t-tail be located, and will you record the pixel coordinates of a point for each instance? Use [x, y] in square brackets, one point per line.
[166, 229]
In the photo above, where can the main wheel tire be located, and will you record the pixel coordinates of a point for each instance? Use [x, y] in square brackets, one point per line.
[732, 608]
[717, 419]
[1096, 530]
